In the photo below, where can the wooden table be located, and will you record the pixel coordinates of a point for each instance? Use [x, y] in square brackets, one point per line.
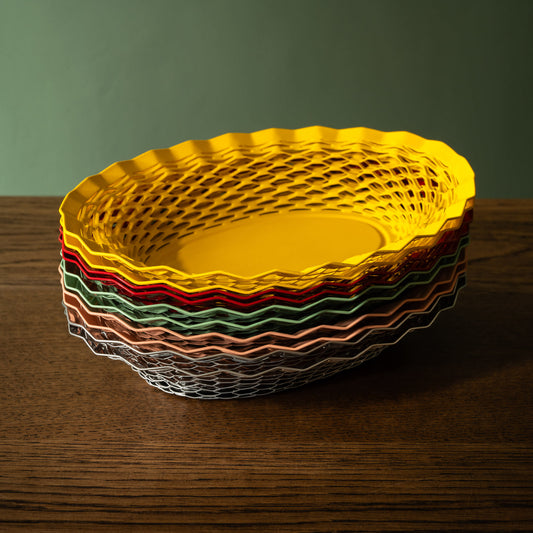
[433, 435]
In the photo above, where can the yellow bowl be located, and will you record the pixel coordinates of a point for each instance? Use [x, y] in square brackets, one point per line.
[286, 208]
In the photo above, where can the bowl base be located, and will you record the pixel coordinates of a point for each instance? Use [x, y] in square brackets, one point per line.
[292, 241]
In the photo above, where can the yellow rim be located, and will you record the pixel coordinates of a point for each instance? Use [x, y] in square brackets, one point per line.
[98, 256]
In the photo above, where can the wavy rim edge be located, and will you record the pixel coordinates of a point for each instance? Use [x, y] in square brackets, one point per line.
[453, 296]
[302, 337]
[274, 309]
[74, 199]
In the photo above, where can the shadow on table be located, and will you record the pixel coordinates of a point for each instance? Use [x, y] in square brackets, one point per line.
[425, 387]
[464, 342]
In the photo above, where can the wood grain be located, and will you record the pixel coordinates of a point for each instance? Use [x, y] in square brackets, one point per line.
[209, 487]
[434, 435]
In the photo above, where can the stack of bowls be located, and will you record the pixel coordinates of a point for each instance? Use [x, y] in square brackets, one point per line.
[254, 263]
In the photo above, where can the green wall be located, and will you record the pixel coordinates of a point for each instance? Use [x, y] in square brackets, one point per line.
[89, 82]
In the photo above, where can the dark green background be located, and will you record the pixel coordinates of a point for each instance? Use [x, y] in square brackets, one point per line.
[89, 82]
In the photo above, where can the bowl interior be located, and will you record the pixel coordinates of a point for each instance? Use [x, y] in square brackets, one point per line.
[283, 206]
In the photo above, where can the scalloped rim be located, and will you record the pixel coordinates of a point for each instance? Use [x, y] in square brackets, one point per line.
[453, 294]
[275, 311]
[459, 281]
[74, 200]
[434, 289]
